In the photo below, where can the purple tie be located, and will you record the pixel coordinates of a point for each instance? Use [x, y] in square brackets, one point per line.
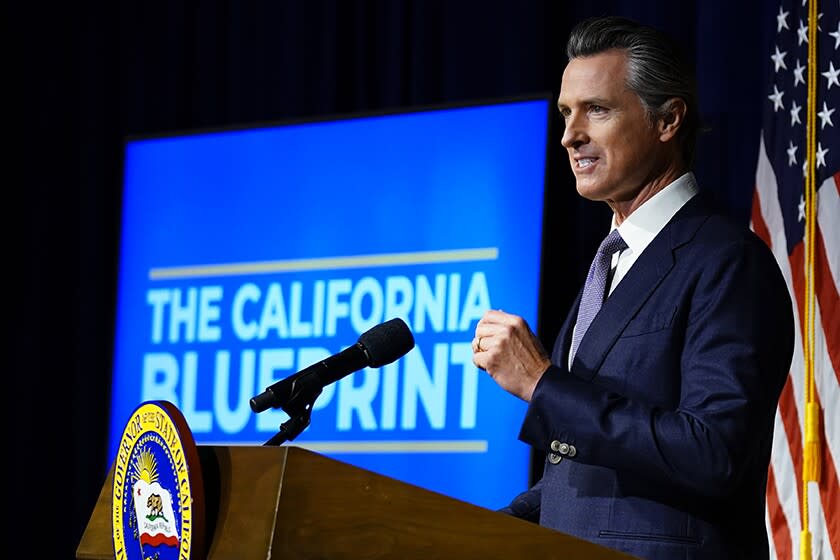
[596, 286]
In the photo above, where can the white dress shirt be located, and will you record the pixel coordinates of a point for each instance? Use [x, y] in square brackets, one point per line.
[645, 223]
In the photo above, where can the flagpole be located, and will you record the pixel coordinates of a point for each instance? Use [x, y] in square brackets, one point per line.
[811, 447]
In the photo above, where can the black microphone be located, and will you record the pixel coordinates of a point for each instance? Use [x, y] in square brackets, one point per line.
[381, 345]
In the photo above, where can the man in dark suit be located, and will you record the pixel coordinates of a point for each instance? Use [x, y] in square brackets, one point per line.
[656, 407]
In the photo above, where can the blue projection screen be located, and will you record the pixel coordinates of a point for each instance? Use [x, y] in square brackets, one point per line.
[249, 254]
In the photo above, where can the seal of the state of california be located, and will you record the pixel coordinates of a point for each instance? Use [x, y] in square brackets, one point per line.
[158, 510]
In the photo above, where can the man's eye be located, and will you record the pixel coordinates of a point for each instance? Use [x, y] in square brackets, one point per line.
[596, 109]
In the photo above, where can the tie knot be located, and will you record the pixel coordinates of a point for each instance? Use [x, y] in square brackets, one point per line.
[612, 243]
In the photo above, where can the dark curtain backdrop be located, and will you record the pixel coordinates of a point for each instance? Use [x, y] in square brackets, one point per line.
[96, 73]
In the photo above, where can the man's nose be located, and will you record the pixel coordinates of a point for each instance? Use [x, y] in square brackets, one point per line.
[574, 134]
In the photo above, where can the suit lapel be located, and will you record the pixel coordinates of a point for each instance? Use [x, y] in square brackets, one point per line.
[635, 289]
[560, 354]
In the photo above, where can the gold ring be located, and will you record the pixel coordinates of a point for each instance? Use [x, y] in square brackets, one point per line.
[478, 345]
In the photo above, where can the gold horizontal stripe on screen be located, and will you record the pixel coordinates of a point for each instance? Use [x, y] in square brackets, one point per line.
[419, 446]
[372, 446]
[324, 263]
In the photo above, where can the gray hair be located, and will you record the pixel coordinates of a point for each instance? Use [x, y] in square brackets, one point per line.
[655, 70]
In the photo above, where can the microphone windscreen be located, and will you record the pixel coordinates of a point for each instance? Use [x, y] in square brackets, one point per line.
[387, 342]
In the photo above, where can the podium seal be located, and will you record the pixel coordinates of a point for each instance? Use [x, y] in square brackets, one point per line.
[157, 497]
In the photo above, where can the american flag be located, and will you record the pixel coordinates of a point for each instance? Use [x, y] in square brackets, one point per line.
[779, 216]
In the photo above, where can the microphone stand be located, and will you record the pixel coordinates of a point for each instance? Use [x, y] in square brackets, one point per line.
[291, 428]
[299, 408]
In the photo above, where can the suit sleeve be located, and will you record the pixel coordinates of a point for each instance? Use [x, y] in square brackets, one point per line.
[734, 356]
[526, 505]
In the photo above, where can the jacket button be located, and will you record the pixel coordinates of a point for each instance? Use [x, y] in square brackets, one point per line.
[564, 449]
[554, 458]
[555, 445]
[572, 451]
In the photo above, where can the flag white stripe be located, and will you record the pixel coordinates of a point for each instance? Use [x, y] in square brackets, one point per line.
[820, 545]
[772, 213]
[768, 194]
[828, 219]
[780, 458]
[780, 209]
[829, 395]
[824, 375]
[786, 480]
[827, 389]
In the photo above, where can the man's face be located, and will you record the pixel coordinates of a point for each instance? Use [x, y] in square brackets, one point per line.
[613, 148]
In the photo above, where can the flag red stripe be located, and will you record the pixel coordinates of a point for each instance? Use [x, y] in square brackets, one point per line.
[779, 527]
[788, 413]
[829, 305]
[793, 434]
[776, 213]
[778, 521]
[787, 403]
[829, 301]
[829, 491]
[758, 223]
[797, 273]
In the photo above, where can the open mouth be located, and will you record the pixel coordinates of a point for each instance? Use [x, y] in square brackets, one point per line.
[583, 163]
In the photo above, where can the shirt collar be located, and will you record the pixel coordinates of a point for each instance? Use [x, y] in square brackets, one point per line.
[646, 221]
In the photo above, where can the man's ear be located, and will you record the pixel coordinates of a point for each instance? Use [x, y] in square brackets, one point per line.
[672, 115]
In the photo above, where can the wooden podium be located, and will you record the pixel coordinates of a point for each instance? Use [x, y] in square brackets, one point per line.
[287, 502]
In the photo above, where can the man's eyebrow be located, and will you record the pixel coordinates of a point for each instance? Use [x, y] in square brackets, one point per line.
[588, 101]
[597, 101]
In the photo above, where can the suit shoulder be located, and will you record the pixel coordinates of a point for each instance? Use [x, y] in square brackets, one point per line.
[708, 226]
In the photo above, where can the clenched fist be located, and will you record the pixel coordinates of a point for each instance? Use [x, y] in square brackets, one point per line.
[505, 347]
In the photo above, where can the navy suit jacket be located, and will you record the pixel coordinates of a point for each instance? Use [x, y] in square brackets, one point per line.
[670, 402]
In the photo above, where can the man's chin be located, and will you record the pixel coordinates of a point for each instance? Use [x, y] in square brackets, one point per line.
[589, 191]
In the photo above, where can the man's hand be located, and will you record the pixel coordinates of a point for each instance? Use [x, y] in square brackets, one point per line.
[505, 347]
